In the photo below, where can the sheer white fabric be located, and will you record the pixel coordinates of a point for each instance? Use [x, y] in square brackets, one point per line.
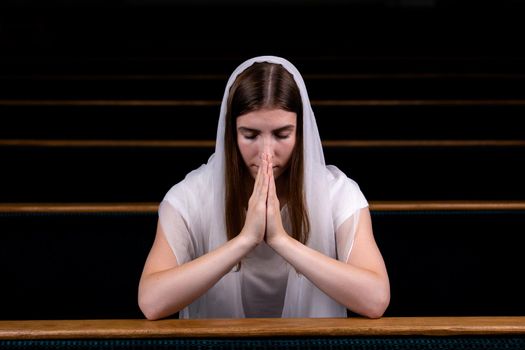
[192, 217]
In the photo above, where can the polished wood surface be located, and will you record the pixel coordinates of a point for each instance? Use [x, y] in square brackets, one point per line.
[70, 208]
[152, 207]
[293, 327]
[446, 205]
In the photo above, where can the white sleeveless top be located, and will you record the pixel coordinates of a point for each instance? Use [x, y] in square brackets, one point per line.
[264, 276]
[266, 285]
[192, 216]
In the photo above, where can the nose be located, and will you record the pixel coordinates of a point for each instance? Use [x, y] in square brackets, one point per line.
[267, 147]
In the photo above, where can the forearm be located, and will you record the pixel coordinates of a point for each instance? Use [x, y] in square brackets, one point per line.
[163, 293]
[362, 291]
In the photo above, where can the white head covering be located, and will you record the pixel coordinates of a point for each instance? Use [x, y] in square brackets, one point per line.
[302, 298]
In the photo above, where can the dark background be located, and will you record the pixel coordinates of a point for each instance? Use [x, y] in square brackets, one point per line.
[440, 263]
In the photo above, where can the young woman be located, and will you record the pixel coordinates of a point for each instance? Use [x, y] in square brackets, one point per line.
[265, 228]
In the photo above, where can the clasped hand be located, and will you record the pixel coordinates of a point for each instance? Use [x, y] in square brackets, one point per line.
[263, 218]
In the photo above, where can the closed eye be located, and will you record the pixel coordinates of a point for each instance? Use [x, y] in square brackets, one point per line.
[283, 136]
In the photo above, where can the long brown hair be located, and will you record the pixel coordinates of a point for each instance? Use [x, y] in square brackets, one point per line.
[263, 86]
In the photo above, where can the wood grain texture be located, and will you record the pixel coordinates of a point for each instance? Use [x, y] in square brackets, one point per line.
[152, 207]
[292, 327]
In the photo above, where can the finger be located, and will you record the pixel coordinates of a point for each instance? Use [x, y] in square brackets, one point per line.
[257, 180]
[260, 175]
[257, 188]
[265, 180]
[269, 159]
[271, 188]
[271, 185]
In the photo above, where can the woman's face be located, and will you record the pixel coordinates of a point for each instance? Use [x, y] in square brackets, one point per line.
[269, 131]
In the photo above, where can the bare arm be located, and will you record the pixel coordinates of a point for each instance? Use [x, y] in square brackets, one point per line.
[361, 284]
[167, 287]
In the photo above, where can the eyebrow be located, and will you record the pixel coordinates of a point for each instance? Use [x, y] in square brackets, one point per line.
[281, 129]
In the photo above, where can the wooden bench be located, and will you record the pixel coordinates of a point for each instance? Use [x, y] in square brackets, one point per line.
[384, 333]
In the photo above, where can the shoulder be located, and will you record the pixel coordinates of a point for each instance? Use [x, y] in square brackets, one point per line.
[340, 184]
[345, 195]
[187, 193]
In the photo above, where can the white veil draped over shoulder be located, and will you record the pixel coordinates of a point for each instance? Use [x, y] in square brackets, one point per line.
[189, 203]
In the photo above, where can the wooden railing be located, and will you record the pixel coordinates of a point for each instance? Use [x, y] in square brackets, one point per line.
[297, 327]
[152, 207]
